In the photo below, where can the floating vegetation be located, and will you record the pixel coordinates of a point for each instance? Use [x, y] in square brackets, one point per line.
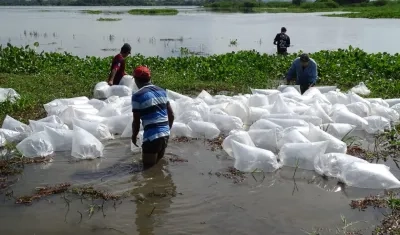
[109, 19]
[165, 11]
[43, 192]
[93, 12]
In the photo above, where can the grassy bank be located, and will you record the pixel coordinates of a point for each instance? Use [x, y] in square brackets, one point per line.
[372, 10]
[64, 75]
[166, 11]
[109, 19]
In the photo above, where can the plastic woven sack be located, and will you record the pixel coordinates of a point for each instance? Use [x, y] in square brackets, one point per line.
[239, 136]
[336, 97]
[265, 124]
[258, 100]
[265, 139]
[97, 129]
[181, 130]
[40, 126]
[37, 145]
[282, 88]
[249, 158]
[361, 89]
[345, 116]
[10, 123]
[317, 110]
[379, 101]
[51, 119]
[285, 123]
[334, 145]
[385, 112]
[338, 130]
[302, 155]
[97, 104]
[369, 175]
[392, 102]
[312, 91]
[326, 89]
[264, 91]
[67, 101]
[197, 105]
[396, 108]
[359, 108]
[117, 124]
[255, 114]
[205, 130]
[237, 109]
[60, 139]
[88, 117]
[8, 94]
[85, 145]
[71, 112]
[128, 81]
[291, 135]
[204, 95]
[172, 95]
[120, 91]
[280, 106]
[110, 110]
[226, 123]
[188, 116]
[10, 136]
[332, 164]
[376, 124]
[101, 90]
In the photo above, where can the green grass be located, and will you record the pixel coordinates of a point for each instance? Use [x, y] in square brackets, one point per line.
[371, 10]
[65, 75]
[166, 11]
[109, 19]
[92, 12]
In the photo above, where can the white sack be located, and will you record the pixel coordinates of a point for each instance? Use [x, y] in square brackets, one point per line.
[376, 124]
[258, 100]
[97, 129]
[60, 139]
[205, 130]
[302, 155]
[120, 91]
[332, 164]
[10, 123]
[117, 124]
[334, 145]
[181, 130]
[291, 135]
[238, 136]
[361, 89]
[85, 145]
[37, 145]
[226, 123]
[385, 112]
[265, 124]
[345, 116]
[265, 139]
[359, 108]
[39, 126]
[285, 123]
[338, 130]
[101, 90]
[317, 110]
[8, 94]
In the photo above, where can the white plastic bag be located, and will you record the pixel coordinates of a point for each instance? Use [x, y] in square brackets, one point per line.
[120, 91]
[10, 123]
[392, 102]
[255, 113]
[196, 105]
[85, 145]
[188, 116]
[88, 117]
[237, 109]
[128, 81]
[37, 145]
[361, 89]
[97, 104]
[204, 95]
[226, 123]
[205, 130]
[396, 108]
[265, 124]
[10, 136]
[181, 130]
[379, 101]
[312, 91]
[317, 110]
[117, 124]
[249, 158]
[285, 123]
[326, 89]
[336, 97]
[101, 90]
[369, 175]
[302, 155]
[238, 136]
[291, 135]
[139, 142]
[60, 139]
[71, 112]
[97, 129]
[376, 124]
[334, 145]
[8, 94]
[51, 119]
[385, 112]
[39, 126]
[258, 100]
[110, 110]
[280, 106]
[338, 130]
[345, 116]
[332, 164]
[359, 108]
[264, 91]
[172, 95]
[265, 139]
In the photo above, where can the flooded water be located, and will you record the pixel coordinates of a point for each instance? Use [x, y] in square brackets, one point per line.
[67, 29]
[180, 197]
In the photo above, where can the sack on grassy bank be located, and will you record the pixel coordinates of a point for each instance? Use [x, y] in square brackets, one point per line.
[8, 94]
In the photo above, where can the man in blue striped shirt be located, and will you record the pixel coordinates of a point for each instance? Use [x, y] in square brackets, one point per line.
[150, 104]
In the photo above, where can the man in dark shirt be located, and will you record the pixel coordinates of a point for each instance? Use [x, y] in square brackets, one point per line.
[117, 70]
[282, 42]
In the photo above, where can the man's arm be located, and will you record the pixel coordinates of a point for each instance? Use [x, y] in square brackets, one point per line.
[292, 72]
[171, 116]
[276, 39]
[288, 41]
[111, 76]
[135, 126]
[314, 73]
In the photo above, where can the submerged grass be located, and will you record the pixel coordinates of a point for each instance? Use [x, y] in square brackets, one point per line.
[166, 11]
[109, 19]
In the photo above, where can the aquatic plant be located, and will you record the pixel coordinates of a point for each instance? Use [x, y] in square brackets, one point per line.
[109, 19]
[164, 11]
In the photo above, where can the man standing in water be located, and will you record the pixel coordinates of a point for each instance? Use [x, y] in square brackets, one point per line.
[282, 42]
[150, 104]
[117, 70]
[305, 70]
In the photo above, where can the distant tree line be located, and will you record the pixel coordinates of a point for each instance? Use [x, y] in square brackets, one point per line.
[102, 2]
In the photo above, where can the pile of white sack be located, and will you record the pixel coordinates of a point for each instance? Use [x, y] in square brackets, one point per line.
[266, 130]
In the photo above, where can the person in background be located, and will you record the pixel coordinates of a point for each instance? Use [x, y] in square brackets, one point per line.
[150, 105]
[117, 70]
[282, 42]
[304, 69]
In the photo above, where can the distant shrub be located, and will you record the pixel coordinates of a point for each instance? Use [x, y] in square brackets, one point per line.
[320, 4]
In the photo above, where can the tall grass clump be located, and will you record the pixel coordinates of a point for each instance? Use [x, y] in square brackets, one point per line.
[166, 11]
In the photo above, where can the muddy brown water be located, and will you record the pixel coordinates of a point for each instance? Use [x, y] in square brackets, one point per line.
[195, 200]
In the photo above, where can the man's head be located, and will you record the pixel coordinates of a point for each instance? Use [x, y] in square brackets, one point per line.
[142, 76]
[283, 30]
[304, 59]
[126, 50]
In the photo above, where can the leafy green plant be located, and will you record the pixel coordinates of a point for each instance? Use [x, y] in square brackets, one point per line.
[166, 11]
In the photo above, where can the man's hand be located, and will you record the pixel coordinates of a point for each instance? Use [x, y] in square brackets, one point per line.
[110, 83]
[134, 140]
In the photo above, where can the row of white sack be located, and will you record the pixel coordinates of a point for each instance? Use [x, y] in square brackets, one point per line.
[250, 156]
[8, 94]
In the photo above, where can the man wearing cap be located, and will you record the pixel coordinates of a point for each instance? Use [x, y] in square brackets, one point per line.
[150, 105]
[117, 70]
[305, 70]
[282, 42]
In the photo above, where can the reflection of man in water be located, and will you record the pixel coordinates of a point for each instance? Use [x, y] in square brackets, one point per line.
[153, 204]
